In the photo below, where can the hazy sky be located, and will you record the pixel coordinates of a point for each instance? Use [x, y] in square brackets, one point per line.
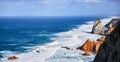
[58, 7]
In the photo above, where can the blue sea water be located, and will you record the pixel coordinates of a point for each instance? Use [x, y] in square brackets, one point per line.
[17, 34]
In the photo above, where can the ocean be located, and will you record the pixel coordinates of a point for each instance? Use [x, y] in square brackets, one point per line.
[21, 34]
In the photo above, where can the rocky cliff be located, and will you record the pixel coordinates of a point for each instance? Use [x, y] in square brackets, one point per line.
[111, 25]
[109, 51]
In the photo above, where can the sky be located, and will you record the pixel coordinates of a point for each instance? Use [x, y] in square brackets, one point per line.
[58, 7]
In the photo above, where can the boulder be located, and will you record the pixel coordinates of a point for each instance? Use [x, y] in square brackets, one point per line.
[98, 27]
[37, 50]
[12, 58]
[109, 51]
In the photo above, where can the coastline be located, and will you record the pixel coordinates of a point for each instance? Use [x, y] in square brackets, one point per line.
[52, 52]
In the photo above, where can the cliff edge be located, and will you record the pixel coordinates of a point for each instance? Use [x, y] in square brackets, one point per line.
[109, 51]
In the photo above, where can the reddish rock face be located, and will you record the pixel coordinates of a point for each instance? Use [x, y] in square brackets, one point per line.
[87, 47]
[98, 44]
[111, 28]
[12, 57]
[90, 46]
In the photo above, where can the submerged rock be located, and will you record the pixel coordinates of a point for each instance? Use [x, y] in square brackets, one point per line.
[65, 47]
[12, 58]
[98, 27]
[110, 49]
[37, 50]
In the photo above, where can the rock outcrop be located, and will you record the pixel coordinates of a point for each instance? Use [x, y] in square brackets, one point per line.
[87, 47]
[98, 27]
[109, 51]
[111, 25]
[91, 46]
[98, 44]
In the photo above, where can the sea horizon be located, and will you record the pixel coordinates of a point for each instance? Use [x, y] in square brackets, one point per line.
[59, 30]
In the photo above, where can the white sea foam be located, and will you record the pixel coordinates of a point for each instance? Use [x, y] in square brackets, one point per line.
[52, 52]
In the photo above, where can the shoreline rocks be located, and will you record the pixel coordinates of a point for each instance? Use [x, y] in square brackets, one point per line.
[98, 27]
[91, 46]
[111, 25]
[110, 49]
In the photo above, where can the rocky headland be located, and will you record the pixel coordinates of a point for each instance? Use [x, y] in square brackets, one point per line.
[110, 49]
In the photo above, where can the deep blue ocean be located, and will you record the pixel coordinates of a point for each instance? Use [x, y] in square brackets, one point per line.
[17, 34]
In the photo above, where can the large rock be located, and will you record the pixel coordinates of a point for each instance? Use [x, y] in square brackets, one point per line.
[87, 47]
[91, 46]
[109, 51]
[111, 25]
[98, 27]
